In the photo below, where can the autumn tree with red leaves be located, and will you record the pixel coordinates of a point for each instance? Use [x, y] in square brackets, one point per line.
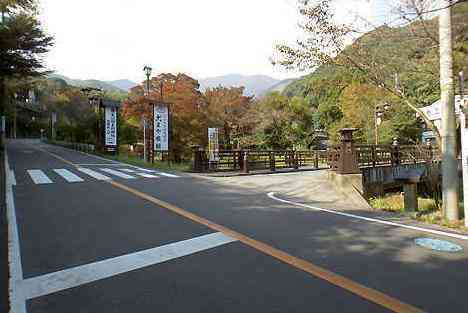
[185, 101]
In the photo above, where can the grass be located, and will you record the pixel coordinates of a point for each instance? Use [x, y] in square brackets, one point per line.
[395, 203]
[428, 211]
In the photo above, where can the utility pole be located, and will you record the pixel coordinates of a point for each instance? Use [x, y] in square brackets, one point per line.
[448, 128]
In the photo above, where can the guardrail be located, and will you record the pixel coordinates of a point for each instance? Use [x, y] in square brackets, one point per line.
[84, 147]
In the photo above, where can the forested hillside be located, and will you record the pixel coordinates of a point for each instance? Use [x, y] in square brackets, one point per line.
[343, 94]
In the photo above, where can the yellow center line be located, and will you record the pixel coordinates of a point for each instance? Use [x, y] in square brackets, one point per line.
[364, 292]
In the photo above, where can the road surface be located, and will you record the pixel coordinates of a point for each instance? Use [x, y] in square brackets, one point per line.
[93, 235]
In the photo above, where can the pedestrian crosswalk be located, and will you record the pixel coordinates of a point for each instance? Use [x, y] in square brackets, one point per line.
[83, 174]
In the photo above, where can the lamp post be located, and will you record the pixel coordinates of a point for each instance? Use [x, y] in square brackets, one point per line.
[148, 140]
[379, 111]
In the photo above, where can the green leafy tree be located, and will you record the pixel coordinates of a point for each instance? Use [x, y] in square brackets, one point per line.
[22, 43]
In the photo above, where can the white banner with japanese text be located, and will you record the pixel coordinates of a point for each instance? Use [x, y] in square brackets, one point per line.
[161, 127]
[111, 126]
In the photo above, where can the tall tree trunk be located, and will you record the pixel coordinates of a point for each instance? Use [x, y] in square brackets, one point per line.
[448, 129]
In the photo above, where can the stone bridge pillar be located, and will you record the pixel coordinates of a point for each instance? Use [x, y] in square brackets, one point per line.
[347, 162]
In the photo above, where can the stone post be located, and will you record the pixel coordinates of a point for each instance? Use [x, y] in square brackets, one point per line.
[197, 159]
[245, 162]
[411, 196]
[348, 163]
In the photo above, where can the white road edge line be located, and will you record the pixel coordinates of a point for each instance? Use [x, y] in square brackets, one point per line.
[271, 195]
[12, 176]
[17, 299]
[73, 277]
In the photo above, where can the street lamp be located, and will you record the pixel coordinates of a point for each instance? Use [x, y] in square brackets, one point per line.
[147, 69]
[146, 152]
[379, 111]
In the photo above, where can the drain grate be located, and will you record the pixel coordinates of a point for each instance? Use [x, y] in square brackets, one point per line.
[438, 245]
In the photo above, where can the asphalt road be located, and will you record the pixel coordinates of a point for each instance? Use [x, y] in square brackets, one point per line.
[86, 237]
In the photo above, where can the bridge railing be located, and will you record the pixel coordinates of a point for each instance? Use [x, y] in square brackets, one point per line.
[258, 160]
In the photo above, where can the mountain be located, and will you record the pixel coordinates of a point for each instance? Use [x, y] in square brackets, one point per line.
[123, 84]
[281, 86]
[255, 85]
[113, 86]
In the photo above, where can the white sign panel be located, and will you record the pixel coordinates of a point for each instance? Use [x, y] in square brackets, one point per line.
[161, 127]
[111, 126]
[434, 113]
[213, 144]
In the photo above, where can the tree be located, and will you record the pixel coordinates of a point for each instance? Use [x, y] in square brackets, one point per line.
[182, 93]
[377, 52]
[22, 42]
[227, 108]
[284, 123]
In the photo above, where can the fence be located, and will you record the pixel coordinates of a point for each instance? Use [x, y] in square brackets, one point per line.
[258, 160]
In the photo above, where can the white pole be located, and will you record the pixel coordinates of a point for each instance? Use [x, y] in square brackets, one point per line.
[464, 144]
[448, 130]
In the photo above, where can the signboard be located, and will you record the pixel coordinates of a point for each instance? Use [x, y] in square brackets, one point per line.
[213, 144]
[434, 110]
[111, 126]
[161, 127]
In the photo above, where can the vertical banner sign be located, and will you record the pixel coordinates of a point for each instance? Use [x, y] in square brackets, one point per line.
[161, 127]
[213, 144]
[111, 126]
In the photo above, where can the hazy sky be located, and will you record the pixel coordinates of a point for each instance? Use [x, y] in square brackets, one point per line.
[113, 39]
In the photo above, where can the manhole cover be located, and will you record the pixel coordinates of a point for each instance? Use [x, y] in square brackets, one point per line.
[438, 245]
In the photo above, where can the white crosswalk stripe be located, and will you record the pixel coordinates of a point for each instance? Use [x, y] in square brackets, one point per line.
[68, 176]
[93, 174]
[117, 173]
[146, 175]
[167, 175]
[39, 177]
[127, 170]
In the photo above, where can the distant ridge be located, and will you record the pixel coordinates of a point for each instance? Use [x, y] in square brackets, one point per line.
[122, 85]
[255, 85]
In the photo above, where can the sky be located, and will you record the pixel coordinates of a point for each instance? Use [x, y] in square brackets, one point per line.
[114, 39]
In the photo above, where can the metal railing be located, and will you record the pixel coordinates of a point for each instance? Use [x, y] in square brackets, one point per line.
[73, 145]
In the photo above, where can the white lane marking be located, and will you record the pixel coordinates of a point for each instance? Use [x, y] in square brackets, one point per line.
[73, 277]
[17, 299]
[12, 177]
[68, 176]
[39, 177]
[147, 175]
[93, 174]
[167, 175]
[369, 219]
[117, 173]
[127, 170]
